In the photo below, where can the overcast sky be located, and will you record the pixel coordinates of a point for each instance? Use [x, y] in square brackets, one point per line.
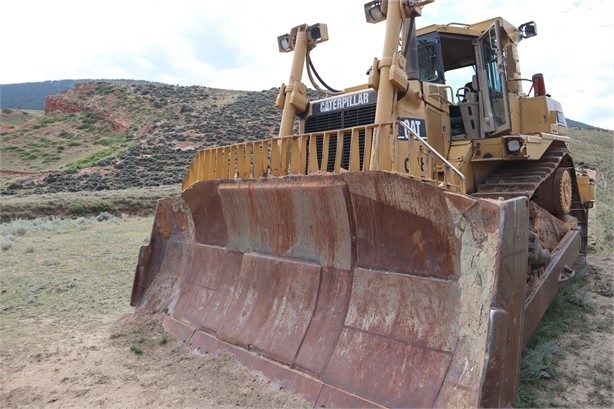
[232, 43]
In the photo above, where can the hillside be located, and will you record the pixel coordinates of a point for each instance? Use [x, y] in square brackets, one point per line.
[32, 95]
[103, 135]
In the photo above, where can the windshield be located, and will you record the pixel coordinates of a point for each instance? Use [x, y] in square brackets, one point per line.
[446, 59]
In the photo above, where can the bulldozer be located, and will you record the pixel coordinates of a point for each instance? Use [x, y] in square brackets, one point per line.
[398, 242]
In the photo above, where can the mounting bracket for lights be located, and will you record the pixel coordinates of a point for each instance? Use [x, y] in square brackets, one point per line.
[316, 33]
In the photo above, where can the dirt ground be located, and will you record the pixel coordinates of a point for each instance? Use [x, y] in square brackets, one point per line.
[98, 369]
[69, 338]
[586, 370]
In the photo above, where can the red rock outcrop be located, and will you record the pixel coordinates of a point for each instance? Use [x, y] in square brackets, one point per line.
[59, 103]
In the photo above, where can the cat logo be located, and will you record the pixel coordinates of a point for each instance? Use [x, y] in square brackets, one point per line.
[344, 102]
[416, 125]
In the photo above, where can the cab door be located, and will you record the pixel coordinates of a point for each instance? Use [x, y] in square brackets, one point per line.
[492, 79]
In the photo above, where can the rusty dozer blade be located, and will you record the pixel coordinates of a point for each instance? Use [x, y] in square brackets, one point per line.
[353, 290]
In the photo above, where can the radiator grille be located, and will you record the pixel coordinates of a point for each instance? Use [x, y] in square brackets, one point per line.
[364, 115]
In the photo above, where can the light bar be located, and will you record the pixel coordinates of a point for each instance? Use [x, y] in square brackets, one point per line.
[317, 33]
[528, 30]
[284, 43]
[375, 11]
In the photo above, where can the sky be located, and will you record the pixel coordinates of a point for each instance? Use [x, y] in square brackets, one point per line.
[232, 44]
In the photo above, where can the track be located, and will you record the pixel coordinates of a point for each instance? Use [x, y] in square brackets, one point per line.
[540, 182]
[521, 178]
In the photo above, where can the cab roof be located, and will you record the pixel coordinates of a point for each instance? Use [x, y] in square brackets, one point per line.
[474, 30]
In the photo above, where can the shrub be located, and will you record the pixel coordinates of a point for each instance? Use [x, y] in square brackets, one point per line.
[102, 206]
[6, 242]
[66, 135]
[136, 349]
[21, 230]
[104, 216]
[77, 208]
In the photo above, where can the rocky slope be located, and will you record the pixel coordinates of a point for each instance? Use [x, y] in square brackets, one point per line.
[103, 135]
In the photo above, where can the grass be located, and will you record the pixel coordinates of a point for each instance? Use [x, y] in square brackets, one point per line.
[66, 135]
[136, 349]
[138, 339]
[13, 116]
[50, 119]
[543, 351]
[70, 338]
[62, 268]
[595, 149]
[134, 201]
[43, 224]
[39, 149]
[89, 160]
[77, 208]
[58, 140]
[110, 140]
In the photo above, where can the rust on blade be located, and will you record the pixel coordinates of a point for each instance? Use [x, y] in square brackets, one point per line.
[271, 306]
[205, 204]
[327, 322]
[359, 290]
[296, 218]
[401, 227]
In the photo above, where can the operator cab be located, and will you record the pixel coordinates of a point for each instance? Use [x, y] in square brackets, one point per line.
[470, 65]
[449, 59]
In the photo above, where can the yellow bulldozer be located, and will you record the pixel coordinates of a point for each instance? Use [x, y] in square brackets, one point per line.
[398, 242]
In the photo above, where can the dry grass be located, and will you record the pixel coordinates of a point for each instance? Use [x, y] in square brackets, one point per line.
[66, 268]
[69, 339]
[16, 117]
[595, 148]
[134, 201]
